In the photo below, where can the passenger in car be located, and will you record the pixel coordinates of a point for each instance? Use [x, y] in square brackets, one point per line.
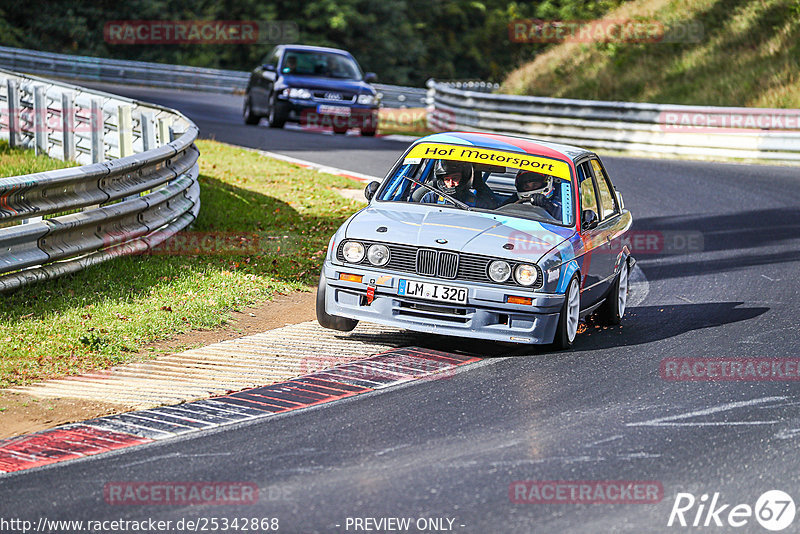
[537, 189]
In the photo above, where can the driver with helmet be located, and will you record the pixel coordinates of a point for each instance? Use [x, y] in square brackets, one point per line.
[454, 178]
[536, 189]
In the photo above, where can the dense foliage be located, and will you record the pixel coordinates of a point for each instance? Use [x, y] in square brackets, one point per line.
[404, 41]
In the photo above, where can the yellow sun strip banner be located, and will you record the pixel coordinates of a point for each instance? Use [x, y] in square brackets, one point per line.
[526, 162]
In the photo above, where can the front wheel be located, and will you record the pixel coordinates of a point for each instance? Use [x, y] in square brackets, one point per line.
[570, 316]
[277, 116]
[614, 307]
[342, 324]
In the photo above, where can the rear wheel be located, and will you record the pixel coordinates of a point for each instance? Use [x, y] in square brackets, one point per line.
[247, 113]
[368, 133]
[340, 129]
[342, 324]
[570, 316]
[613, 308]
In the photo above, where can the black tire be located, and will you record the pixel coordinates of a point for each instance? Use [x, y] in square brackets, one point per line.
[368, 133]
[247, 113]
[277, 116]
[613, 309]
[569, 318]
[340, 130]
[334, 322]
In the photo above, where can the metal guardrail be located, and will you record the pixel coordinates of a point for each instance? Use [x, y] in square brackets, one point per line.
[698, 131]
[85, 68]
[137, 185]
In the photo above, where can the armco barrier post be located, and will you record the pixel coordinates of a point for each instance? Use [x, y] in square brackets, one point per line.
[125, 130]
[98, 152]
[13, 112]
[39, 120]
[164, 131]
[148, 123]
[68, 125]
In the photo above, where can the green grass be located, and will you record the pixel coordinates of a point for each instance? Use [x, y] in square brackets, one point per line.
[15, 161]
[281, 217]
[749, 56]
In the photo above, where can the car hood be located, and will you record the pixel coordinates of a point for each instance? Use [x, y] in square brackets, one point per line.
[316, 82]
[472, 232]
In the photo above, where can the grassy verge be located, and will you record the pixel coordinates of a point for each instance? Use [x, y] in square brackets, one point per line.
[15, 162]
[263, 228]
[748, 55]
[409, 121]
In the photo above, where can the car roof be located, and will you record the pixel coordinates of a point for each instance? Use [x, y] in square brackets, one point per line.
[310, 48]
[509, 143]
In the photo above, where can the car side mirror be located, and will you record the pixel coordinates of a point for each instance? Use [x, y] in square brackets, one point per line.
[589, 219]
[619, 200]
[370, 77]
[270, 67]
[370, 190]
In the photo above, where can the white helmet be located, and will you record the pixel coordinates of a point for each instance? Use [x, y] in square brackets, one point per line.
[529, 183]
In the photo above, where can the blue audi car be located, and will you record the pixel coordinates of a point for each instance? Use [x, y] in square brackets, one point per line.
[314, 86]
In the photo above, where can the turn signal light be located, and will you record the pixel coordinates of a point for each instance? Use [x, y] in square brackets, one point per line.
[519, 300]
[352, 277]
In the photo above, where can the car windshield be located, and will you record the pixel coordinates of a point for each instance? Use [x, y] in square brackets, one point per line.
[320, 64]
[526, 186]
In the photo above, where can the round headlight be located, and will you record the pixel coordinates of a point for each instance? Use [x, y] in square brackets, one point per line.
[378, 255]
[353, 251]
[525, 275]
[499, 271]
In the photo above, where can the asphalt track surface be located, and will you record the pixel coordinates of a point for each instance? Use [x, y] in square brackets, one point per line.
[451, 447]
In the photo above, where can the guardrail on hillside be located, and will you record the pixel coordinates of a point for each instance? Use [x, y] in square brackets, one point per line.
[699, 131]
[136, 187]
[87, 68]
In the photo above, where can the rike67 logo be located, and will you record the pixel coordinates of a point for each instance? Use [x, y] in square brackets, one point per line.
[774, 510]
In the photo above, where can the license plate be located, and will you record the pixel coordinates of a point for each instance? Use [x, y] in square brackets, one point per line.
[424, 290]
[333, 110]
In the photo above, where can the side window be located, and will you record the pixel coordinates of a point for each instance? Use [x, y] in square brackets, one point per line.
[588, 198]
[606, 194]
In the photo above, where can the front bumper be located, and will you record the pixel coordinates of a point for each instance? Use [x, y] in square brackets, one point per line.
[486, 314]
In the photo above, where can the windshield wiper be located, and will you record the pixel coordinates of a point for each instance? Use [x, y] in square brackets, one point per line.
[455, 201]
